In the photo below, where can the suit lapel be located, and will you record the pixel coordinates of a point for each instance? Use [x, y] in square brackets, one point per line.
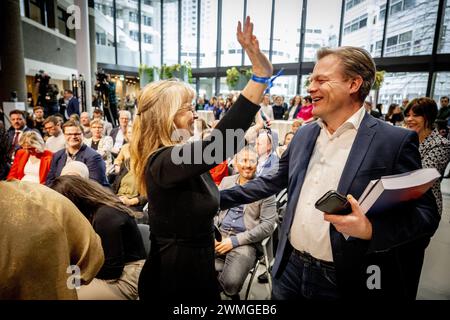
[357, 154]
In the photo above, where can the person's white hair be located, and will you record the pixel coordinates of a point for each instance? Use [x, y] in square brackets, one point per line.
[125, 113]
[75, 168]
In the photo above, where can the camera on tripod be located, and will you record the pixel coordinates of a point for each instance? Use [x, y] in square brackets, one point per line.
[47, 93]
[102, 81]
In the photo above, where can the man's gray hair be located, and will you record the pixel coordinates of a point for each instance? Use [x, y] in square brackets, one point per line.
[125, 113]
[355, 62]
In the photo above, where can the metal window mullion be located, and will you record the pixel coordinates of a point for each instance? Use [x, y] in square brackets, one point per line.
[437, 31]
[272, 19]
[386, 17]
[218, 47]
[301, 45]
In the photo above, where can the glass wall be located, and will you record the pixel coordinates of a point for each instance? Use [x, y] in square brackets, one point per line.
[285, 86]
[260, 11]
[208, 33]
[286, 33]
[364, 25]
[400, 85]
[223, 86]
[444, 39]
[104, 31]
[189, 21]
[170, 32]
[302, 86]
[151, 32]
[322, 26]
[441, 85]
[207, 87]
[127, 30]
[410, 29]
[231, 52]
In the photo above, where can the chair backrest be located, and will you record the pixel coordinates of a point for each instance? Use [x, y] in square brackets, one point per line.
[145, 234]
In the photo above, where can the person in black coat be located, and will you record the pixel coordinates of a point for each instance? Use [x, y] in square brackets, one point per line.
[121, 239]
[182, 197]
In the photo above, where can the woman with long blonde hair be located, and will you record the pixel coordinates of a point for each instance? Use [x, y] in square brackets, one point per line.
[182, 197]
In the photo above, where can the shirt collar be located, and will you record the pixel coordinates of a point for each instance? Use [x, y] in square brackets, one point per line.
[351, 123]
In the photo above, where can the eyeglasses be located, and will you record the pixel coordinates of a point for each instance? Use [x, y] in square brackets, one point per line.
[73, 134]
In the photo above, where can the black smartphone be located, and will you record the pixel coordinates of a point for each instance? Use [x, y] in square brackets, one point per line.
[334, 203]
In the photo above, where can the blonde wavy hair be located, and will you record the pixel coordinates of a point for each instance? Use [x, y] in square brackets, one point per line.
[33, 139]
[153, 127]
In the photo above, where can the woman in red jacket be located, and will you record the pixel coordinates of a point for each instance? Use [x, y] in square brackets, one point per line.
[31, 162]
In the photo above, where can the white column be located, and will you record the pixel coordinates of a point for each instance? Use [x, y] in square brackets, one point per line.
[83, 50]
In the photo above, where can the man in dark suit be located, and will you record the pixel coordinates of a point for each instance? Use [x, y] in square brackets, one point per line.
[344, 150]
[73, 105]
[18, 126]
[76, 150]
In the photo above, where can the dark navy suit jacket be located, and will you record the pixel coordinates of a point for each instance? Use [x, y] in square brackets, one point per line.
[400, 234]
[73, 106]
[88, 156]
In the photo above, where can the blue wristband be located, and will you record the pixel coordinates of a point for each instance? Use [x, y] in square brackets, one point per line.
[260, 79]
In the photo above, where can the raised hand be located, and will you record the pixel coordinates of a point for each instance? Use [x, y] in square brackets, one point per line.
[260, 64]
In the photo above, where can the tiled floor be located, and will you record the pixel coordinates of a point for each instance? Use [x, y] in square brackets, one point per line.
[435, 279]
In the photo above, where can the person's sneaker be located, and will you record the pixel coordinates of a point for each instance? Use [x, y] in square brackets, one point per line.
[262, 278]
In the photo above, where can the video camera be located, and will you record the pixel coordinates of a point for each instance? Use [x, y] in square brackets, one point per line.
[47, 92]
[102, 81]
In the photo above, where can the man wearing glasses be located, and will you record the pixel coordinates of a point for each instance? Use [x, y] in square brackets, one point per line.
[55, 141]
[76, 150]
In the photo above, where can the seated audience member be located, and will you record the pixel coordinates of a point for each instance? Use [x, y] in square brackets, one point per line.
[100, 143]
[266, 108]
[370, 110]
[55, 141]
[107, 126]
[119, 134]
[294, 108]
[125, 183]
[74, 117]
[394, 115]
[278, 108]
[124, 151]
[85, 122]
[38, 119]
[41, 234]
[210, 105]
[77, 150]
[287, 139]
[242, 228]
[252, 132]
[441, 127]
[434, 149]
[32, 161]
[58, 237]
[444, 110]
[75, 168]
[18, 127]
[121, 239]
[267, 158]
[305, 112]
[296, 124]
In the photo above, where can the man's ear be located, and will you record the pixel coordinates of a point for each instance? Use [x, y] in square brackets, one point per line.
[355, 84]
